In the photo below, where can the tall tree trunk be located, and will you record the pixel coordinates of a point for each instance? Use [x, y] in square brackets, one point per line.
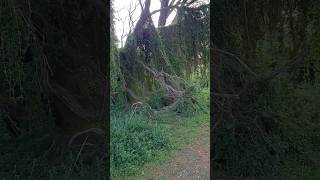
[163, 13]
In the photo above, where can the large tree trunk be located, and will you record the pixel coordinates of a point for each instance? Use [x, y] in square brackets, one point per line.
[129, 55]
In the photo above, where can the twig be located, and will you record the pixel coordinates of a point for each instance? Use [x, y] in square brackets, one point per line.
[161, 9]
[141, 5]
[95, 130]
[78, 155]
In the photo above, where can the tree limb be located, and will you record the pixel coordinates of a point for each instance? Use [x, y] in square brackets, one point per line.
[238, 59]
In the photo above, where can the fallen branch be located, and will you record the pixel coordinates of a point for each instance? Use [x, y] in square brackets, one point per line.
[169, 108]
[160, 77]
[238, 59]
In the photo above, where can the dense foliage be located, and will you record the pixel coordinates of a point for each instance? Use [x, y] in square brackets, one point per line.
[266, 70]
[38, 61]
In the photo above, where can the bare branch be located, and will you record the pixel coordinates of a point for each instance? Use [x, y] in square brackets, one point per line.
[161, 9]
[172, 2]
[141, 5]
[131, 12]
[172, 6]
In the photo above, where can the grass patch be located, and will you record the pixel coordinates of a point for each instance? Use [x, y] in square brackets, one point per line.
[139, 141]
[184, 131]
[27, 158]
[135, 140]
[170, 133]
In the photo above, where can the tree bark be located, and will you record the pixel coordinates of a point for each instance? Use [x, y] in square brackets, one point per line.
[163, 13]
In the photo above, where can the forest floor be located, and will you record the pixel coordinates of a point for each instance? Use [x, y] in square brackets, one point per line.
[190, 159]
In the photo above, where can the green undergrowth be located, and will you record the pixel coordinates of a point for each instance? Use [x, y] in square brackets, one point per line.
[28, 158]
[135, 139]
[184, 133]
[298, 108]
[32, 156]
[139, 138]
[291, 150]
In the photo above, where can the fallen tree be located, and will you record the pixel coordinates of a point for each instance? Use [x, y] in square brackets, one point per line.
[147, 60]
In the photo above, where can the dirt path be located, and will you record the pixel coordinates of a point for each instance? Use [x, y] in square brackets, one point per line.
[190, 163]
